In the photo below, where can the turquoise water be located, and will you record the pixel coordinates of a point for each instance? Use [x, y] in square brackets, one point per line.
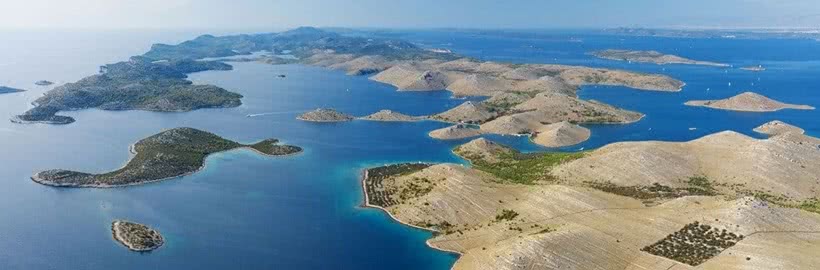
[245, 211]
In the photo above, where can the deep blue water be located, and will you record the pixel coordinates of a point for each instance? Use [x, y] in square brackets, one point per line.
[245, 211]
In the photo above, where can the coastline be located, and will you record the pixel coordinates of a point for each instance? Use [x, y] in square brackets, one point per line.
[366, 203]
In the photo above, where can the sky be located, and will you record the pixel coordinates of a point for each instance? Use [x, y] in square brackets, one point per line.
[280, 14]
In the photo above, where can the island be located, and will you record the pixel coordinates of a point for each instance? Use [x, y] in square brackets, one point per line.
[653, 57]
[754, 68]
[137, 84]
[135, 236]
[8, 90]
[747, 102]
[650, 205]
[43, 83]
[389, 116]
[166, 155]
[324, 115]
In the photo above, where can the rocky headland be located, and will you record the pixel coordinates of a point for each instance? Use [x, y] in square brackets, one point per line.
[653, 57]
[169, 154]
[748, 102]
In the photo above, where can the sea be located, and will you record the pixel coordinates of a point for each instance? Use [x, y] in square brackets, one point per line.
[246, 211]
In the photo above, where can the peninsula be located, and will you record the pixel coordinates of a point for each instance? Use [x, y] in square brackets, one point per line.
[748, 102]
[8, 90]
[650, 205]
[135, 236]
[169, 154]
[653, 57]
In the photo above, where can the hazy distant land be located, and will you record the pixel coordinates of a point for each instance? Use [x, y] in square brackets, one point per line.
[654, 57]
[748, 102]
[8, 90]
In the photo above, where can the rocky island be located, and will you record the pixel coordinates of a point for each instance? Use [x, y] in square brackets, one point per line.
[748, 102]
[43, 83]
[389, 116]
[169, 154]
[135, 236]
[8, 90]
[653, 57]
[650, 205]
[325, 115]
[137, 84]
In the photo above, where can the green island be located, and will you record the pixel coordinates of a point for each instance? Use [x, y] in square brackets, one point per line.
[137, 84]
[169, 154]
[135, 236]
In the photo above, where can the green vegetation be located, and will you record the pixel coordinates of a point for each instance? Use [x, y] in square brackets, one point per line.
[171, 153]
[379, 195]
[417, 188]
[138, 84]
[811, 205]
[694, 244]
[696, 186]
[545, 230]
[515, 167]
[506, 214]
